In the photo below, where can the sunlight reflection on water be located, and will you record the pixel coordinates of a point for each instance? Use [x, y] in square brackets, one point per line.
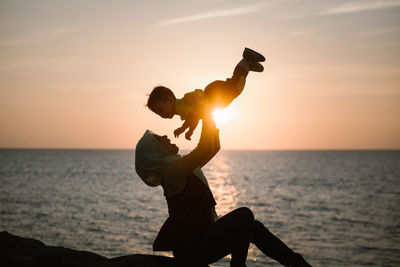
[338, 208]
[219, 173]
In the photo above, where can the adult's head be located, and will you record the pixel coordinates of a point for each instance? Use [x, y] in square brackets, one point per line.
[153, 152]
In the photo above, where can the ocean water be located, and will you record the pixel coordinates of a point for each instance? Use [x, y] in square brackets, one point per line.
[337, 208]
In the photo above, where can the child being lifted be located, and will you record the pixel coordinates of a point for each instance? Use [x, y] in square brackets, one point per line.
[218, 94]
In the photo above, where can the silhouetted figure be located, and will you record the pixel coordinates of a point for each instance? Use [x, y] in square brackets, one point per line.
[192, 230]
[217, 94]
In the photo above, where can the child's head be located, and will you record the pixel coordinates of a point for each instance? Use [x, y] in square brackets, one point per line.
[162, 102]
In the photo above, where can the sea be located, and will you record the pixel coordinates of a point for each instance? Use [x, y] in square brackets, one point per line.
[336, 208]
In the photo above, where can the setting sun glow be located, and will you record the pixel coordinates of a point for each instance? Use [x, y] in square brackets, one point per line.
[223, 115]
[84, 82]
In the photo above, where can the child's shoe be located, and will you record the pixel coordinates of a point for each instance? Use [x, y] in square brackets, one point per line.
[252, 55]
[255, 66]
[247, 66]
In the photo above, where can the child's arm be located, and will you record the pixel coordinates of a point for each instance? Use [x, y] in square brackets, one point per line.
[191, 121]
[178, 131]
[192, 126]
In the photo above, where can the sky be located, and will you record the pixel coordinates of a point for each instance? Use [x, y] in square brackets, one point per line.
[76, 74]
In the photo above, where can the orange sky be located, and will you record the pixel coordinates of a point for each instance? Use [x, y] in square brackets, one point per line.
[76, 74]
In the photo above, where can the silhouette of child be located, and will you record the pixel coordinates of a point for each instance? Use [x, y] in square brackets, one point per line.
[217, 94]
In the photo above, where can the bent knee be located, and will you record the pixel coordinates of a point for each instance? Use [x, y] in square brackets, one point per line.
[245, 214]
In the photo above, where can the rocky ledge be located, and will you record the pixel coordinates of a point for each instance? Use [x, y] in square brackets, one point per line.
[18, 251]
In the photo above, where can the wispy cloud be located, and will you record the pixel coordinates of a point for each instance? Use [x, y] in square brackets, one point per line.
[212, 14]
[359, 6]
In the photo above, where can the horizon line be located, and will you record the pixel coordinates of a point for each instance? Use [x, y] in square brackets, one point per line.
[226, 149]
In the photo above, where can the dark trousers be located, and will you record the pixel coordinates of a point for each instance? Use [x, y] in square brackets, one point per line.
[232, 234]
[221, 93]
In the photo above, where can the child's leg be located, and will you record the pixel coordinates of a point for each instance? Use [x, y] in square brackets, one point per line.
[220, 93]
[238, 79]
[250, 62]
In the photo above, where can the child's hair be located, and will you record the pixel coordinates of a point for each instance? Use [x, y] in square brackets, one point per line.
[159, 93]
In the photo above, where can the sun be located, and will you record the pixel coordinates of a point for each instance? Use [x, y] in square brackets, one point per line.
[223, 115]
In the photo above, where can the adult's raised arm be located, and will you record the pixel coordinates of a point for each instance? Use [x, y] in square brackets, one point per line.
[173, 177]
[216, 148]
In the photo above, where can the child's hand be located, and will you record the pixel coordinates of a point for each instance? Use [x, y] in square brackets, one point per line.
[178, 131]
[188, 134]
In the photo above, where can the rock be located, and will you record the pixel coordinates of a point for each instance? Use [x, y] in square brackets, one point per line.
[17, 251]
[145, 260]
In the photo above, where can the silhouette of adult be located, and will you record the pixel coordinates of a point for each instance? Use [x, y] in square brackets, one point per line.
[193, 231]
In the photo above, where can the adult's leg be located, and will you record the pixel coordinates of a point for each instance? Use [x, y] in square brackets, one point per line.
[270, 245]
[231, 234]
[273, 247]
